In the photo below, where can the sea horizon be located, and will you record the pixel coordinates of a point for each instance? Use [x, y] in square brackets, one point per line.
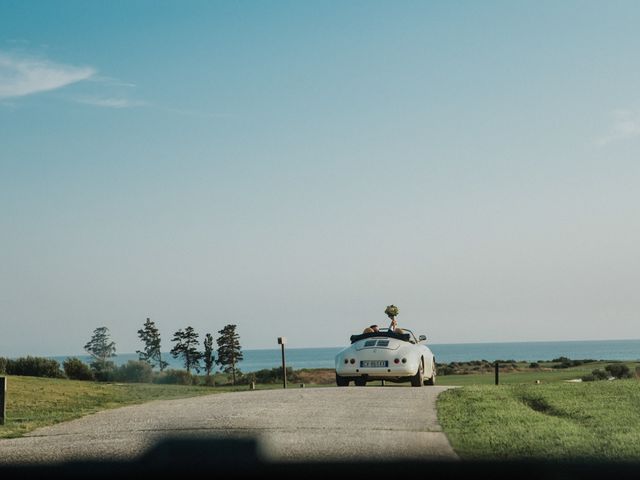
[323, 357]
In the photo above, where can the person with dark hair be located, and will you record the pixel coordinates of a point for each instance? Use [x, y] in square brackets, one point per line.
[371, 329]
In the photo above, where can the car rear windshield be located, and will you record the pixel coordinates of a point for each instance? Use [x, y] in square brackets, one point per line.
[379, 343]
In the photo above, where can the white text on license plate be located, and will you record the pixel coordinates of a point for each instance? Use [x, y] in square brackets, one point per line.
[373, 363]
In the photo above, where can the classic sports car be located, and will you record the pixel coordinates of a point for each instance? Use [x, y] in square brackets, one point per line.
[386, 355]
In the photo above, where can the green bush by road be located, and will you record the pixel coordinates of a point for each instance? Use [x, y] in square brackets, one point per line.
[558, 421]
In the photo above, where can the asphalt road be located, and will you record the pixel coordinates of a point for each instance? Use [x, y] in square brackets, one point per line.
[328, 424]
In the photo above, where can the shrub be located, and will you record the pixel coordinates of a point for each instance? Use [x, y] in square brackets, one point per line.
[76, 369]
[175, 377]
[619, 370]
[3, 364]
[597, 374]
[534, 365]
[567, 363]
[134, 371]
[445, 370]
[34, 367]
[269, 375]
[103, 371]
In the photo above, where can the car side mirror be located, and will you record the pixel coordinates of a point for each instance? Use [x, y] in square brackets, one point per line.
[422, 338]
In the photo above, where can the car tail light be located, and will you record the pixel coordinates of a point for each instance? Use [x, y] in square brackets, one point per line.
[396, 360]
[353, 360]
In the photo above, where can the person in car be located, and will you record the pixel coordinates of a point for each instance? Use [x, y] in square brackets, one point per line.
[394, 324]
[394, 327]
[371, 329]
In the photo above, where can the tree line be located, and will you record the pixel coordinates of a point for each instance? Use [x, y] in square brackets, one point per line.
[186, 346]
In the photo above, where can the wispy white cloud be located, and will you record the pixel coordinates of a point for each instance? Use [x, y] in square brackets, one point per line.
[20, 76]
[110, 102]
[112, 82]
[626, 125]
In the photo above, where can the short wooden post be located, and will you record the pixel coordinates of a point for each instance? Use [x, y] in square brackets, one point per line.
[282, 341]
[302, 385]
[497, 365]
[252, 386]
[3, 399]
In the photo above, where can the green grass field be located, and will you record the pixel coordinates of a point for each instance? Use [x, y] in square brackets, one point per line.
[526, 375]
[517, 419]
[36, 402]
[551, 421]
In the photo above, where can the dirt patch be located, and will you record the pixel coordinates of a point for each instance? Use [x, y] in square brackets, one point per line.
[320, 376]
[538, 404]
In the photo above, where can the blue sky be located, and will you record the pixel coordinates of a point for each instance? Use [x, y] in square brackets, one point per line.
[294, 167]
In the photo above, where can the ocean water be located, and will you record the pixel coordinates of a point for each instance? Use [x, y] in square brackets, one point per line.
[533, 351]
[456, 352]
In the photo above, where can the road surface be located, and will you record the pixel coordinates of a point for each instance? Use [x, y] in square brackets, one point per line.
[297, 424]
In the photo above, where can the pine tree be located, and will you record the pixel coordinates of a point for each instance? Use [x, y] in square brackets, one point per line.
[187, 346]
[229, 351]
[208, 356]
[101, 348]
[150, 335]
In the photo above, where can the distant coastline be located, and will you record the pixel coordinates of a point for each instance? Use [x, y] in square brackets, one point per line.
[533, 351]
[300, 358]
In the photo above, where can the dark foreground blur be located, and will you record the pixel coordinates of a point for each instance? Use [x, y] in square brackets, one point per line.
[235, 458]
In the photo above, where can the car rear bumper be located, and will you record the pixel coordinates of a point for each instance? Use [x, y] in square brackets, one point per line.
[354, 371]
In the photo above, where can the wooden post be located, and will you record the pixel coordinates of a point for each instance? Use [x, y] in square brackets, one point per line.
[497, 365]
[3, 399]
[252, 386]
[281, 342]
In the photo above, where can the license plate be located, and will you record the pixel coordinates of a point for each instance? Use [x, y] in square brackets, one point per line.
[373, 363]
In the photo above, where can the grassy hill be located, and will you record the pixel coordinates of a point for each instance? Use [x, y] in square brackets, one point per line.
[34, 402]
[478, 373]
[558, 421]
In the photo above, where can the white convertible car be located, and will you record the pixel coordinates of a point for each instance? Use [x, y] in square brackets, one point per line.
[385, 355]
